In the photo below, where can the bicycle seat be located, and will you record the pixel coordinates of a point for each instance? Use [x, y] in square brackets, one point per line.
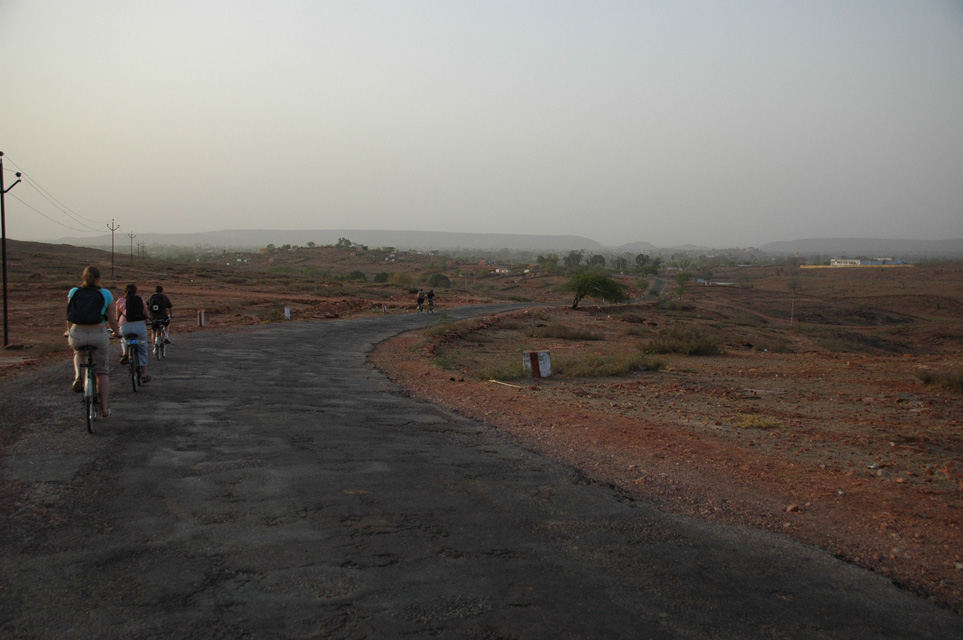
[130, 336]
[86, 347]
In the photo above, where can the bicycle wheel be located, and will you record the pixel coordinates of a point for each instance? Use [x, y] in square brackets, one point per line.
[89, 411]
[90, 392]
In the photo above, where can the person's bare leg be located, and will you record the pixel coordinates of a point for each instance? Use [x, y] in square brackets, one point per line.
[103, 389]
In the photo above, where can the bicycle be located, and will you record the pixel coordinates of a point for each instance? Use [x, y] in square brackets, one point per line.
[431, 305]
[133, 358]
[160, 344]
[92, 409]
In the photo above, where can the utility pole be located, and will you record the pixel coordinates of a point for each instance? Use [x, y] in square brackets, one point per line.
[3, 233]
[113, 227]
[131, 235]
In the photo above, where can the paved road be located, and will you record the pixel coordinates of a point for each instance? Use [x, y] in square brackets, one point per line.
[274, 485]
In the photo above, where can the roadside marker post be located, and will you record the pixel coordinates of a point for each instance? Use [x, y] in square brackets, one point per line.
[538, 363]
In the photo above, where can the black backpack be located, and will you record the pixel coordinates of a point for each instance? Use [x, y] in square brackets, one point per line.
[134, 309]
[86, 306]
[156, 306]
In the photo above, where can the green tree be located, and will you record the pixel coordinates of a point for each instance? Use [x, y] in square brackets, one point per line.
[641, 260]
[439, 280]
[343, 243]
[596, 285]
[597, 260]
[358, 276]
[682, 281]
[620, 263]
[381, 277]
[573, 259]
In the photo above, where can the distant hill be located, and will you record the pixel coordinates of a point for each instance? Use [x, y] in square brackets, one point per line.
[636, 248]
[868, 247]
[421, 240]
[246, 239]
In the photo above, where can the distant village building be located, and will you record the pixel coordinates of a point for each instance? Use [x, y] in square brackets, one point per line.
[848, 262]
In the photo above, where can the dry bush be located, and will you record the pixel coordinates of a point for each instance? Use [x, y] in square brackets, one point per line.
[951, 379]
[687, 341]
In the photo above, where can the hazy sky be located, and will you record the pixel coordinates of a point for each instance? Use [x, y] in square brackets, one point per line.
[716, 122]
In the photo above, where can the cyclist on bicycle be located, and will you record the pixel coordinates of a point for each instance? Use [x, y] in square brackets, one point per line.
[133, 311]
[90, 310]
[159, 306]
[421, 300]
[431, 300]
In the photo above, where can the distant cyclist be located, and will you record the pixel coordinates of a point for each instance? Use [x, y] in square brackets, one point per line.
[89, 307]
[133, 310]
[421, 300]
[431, 300]
[159, 306]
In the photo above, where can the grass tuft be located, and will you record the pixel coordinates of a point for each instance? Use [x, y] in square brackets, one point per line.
[951, 379]
[596, 365]
[687, 341]
[503, 371]
[564, 332]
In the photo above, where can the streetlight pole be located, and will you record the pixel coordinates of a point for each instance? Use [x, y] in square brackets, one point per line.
[3, 234]
[131, 235]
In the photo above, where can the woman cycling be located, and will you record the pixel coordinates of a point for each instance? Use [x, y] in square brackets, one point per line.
[133, 320]
[89, 307]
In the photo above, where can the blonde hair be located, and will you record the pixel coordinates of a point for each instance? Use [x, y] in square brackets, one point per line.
[91, 276]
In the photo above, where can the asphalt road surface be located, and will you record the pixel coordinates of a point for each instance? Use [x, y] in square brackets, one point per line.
[269, 483]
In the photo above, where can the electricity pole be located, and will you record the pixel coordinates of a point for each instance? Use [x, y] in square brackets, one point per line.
[113, 227]
[131, 235]
[3, 232]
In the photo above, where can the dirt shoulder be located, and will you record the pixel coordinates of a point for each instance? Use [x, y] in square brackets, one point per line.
[846, 452]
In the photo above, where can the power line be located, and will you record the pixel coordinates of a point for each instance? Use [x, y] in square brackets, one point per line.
[86, 230]
[76, 217]
[64, 209]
